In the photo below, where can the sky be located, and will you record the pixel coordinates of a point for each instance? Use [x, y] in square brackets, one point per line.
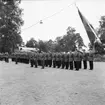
[57, 15]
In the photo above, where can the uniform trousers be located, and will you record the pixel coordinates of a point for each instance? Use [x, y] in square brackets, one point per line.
[85, 64]
[80, 64]
[32, 63]
[46, 62]
[43, 63]
[35, 63]
[66, 64]
[91, 65]
[77, 65]
[50, 63]
[71, 65]
[16, 60]
[63, 64]
[54, 63]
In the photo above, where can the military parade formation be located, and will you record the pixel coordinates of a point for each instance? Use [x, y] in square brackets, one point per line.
[69, 60]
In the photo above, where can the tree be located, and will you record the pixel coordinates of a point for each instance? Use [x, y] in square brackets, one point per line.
[101, 34]
[42, 46]
[10, 23]
[99, 49]
[101, 30]
[32, 43]
[50, 45]
[69, 41]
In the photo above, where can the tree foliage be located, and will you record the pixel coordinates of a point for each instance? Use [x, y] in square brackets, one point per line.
[10, 23]
[99, 47]
[101, 30]
[65, 43]
[42, 46]
[32, 43]
[69, 41]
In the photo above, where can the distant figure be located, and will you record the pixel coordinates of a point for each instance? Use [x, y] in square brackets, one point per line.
[71, 60]
[76, 59]
[90, 59]
[42, 59]
[85, 58]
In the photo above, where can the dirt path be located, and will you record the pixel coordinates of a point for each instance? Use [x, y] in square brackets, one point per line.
[22, 85]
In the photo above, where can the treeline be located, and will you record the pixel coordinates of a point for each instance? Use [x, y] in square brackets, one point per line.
[67, 42]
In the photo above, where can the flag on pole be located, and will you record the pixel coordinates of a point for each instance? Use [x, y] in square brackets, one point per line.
[89, 29]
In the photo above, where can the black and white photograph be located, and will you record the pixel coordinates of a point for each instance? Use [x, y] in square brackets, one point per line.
[52, 52]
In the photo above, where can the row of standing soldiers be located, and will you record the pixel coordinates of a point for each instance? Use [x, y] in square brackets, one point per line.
[69, 60]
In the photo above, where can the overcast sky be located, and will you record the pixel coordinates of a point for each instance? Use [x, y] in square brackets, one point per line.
[65, 15]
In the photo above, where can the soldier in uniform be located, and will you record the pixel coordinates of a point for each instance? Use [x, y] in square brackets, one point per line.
[71, 60]
[62, 61]
[59, 60]
[54, 60]
[39, 58]
[80, 62]
[66, 60]
[76, 59]
[50, 59]
[36, 60]
[57, 57]
[60, 57]
[42, 59]
[90, 59]
[32, 59]
[16, 58]
[6, 57]
[27, 58]
[84, 59]
[46, 59]
[38, 55]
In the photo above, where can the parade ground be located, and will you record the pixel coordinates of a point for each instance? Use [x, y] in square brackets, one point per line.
[22, 85]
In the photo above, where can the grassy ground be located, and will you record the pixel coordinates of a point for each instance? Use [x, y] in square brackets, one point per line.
[22, 85]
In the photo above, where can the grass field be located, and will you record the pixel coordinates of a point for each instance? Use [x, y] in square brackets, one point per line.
[22, 85]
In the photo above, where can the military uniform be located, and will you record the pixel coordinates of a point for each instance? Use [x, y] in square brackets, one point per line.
[46, 59]
[27, 58]
[62, 61]
[71, 60]
[76, 60]
[56, 57]
[42, 59]
[32, 59]
[49, 59]
[85, 57]
[66, 60]
[6, 57]
[90, 59]
[16, 58]
[36, 60]
[80, 62]
[39, 59]
[58, 60]
[54, 60]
